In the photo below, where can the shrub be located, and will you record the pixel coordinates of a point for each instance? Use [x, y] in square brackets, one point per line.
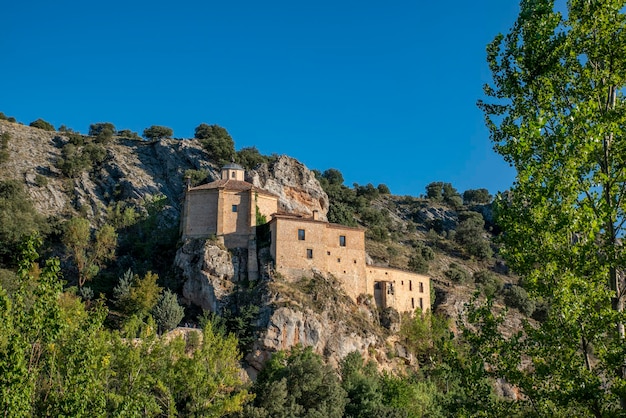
[383, 189]
[250, 157]
[456, 273]
[42, 124]
[488, 281]
[418, 264]
[476, 196]
[196, 177]
[102, 131]
[4, 147]
[128, 134]
[157, 132]
[469, 233]
[517, 297]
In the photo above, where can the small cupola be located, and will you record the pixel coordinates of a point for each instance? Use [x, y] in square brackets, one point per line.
[233, 171]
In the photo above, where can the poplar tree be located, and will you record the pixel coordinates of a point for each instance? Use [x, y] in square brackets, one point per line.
[557, 114]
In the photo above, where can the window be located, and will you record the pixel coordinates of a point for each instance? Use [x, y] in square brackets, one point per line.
[412, 303]
[342, 240]
[232, 174]
[339, 260]
[421, 303]
[410, 285]
[327, 252]
[300, 234]
[421, 287]
[309, 253]
[234, 208]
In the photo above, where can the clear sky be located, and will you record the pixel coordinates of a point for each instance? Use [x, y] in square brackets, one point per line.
[384, 91]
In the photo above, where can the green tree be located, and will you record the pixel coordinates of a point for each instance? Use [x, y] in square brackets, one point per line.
[4, 147]
[42, 124]
[217, 142]
[157, 132]
[167, 312]
[250, 157]
[556, 113]
[476, 196]
[102, 131]
[89, 250]
[297, 384]
[18, 219]
[470, 233]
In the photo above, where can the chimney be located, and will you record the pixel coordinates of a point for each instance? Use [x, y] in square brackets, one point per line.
[316, 215]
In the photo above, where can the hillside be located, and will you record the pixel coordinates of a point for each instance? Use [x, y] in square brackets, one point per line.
[137, 187]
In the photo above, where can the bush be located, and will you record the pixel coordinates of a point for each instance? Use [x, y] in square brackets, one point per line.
[157, 132]
[488, 281]
[456, 273]
[250, 157]
[42, 124]
[418, 264]
[476, 196]
[102, 131]
[128, 134]
[4, 147]
[517, 297]
[469, 234]
[196, 177]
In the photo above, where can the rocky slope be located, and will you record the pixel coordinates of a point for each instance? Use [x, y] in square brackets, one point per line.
[309, 313]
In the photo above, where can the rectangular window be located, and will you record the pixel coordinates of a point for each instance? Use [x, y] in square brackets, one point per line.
[342, 240]
[412, 303]
[309, 253]
[421, 287]
[410, 284]
[339, 260]
[234, 208]
[301, 234]
[421, 303]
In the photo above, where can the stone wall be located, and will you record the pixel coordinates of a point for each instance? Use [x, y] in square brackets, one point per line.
[404, 291]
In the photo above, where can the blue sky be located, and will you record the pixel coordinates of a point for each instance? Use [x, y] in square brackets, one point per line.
[383, 91]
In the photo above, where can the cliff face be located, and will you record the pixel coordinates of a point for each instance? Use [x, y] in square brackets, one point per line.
[298, 190]
[131, 171]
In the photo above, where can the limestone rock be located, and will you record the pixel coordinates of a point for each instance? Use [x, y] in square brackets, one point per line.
[298, 190]
[208, 272]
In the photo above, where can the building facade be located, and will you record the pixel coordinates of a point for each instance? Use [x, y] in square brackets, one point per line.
[229, 208]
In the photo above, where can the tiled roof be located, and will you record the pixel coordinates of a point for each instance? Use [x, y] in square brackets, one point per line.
[230, 184]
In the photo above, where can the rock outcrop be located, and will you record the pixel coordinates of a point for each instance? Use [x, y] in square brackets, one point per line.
[298, 190]
[209, 272]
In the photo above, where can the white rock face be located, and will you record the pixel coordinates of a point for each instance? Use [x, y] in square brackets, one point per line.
[208, 271]
[298, 190]
[288, 328]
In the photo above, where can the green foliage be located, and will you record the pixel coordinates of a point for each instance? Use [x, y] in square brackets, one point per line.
[167, 313]
[383, 189]
[444, 192]
[342, 199]
[476, 196]
[297, 384]
[217, 142]
[556, 113]
[517, 297]
[127, 133]
[418, 264]
[489, 282]
[369, 192]
[456, 273]
[102, 131]
[157, 132]
[7, 118]
[18, 219]
[5, 137]
[196, 177]
[89, 250]
[423, 332]
[76, 159]
[470, 234]
[122, 215]
[250, 157]
[57, 359]
[42, 124]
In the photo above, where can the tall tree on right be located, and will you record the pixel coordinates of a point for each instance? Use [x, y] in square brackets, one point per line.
[557, 114]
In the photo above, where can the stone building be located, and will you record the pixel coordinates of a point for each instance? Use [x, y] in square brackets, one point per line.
[230, 208]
